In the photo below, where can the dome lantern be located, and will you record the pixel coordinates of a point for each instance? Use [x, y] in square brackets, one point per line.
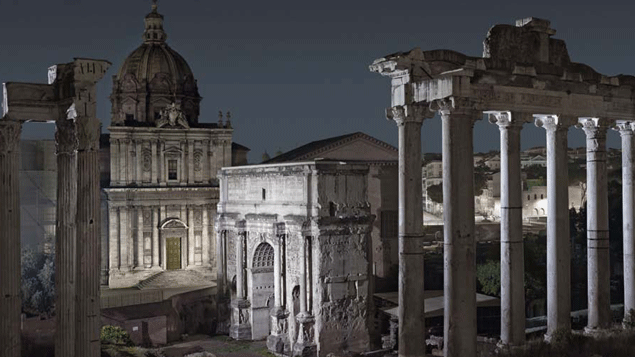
[154, 26]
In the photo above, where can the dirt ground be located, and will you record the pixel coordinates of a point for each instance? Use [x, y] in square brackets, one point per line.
[220, 346]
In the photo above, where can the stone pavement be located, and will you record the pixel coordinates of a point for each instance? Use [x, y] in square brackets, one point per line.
[219, 346]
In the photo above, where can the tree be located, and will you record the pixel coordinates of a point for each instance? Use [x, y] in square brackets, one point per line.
[435, 192]
[481, 176]
[38, 282]
[489, 277]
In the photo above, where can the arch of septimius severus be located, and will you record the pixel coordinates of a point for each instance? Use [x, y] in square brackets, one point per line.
[524, 75]
[69, 100]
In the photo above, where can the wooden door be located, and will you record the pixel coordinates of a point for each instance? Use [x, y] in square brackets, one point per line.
[173, 246]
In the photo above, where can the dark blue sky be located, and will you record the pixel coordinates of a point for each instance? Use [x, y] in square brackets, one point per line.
[296, 71]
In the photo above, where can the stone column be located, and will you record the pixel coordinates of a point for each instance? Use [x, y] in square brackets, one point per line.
[205, 170]
[139, 157]
[163, 175]
[278, 340]
[191, 239]
[88, 226]
[305, 344]
[628, 219]
[411, 310]
[458, 118]
[190, 162]
[155, 237]
[114, 161]
[183, 173]
[124, 240]
[140, 240]
[123, 161]
[240, 328]
[10, 278]
[598, 267]
[558, 239]
[205, 237]
[512, 257]
[154, 173]
[66, 242]
[114, 241]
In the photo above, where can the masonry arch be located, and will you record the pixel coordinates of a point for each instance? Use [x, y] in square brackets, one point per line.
[262, 285]
[173, 237]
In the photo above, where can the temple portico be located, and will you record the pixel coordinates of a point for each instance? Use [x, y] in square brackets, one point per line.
[524, 75]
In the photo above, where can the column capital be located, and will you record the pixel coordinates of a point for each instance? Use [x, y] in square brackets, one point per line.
[508, 119]
[412, 113]
[9, 136]
[455, 105]
[553, 122]
[624, 127]
[594, 128]
[66, 141]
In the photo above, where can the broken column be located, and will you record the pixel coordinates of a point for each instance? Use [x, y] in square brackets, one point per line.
[628, 216]
[411, 311]
[598, 268]
[240, 328]
[511, 209]
[558, 240]
[10, 279]
[458, 117]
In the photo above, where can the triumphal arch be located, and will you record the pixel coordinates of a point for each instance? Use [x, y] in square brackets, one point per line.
[68, 100]
[524, 76]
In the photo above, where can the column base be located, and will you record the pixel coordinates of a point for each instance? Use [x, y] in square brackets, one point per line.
[278, 341]
[305, 345]
[594, 331]
[304, 350]
[240, 328]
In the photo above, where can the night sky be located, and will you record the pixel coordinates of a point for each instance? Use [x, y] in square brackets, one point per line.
[296, 71]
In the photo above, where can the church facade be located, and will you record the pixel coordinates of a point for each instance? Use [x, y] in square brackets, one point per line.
[163, 163]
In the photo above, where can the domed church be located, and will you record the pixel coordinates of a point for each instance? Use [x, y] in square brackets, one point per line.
[163, 189]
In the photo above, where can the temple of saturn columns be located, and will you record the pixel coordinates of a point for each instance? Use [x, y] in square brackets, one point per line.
[524, 75]
[68, 100]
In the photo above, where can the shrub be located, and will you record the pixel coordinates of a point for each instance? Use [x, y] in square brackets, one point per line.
[115, 335]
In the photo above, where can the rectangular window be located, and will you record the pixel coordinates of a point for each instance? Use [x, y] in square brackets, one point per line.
[172, 169]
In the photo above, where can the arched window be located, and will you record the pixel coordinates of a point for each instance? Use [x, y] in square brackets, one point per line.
[528, 197]
[535, 196]
[542, 196]
[263, 258]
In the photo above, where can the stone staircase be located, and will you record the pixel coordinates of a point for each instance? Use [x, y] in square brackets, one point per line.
[175, 279]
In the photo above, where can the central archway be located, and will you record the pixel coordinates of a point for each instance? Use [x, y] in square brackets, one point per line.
[262, 290]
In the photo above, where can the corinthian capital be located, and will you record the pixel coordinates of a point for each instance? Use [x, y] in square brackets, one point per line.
[553, 122]
[9, 136]
[594, 128]
[508, 120]
[624, 127]
[415, 113]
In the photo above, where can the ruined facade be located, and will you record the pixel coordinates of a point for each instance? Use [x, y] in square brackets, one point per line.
[524, 75]
[163, 163]
[295, 241]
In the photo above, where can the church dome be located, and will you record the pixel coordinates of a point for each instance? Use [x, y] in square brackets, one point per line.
[152, 77]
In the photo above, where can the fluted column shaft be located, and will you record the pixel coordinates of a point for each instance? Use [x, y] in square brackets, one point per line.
[66, 253]
[558, 239]
[628, 218]
[88, 234]
[411, 311]
[512, 257]
[277, 284]
[10, 279]
[458, 218]
[303, 274]
[598, 267]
